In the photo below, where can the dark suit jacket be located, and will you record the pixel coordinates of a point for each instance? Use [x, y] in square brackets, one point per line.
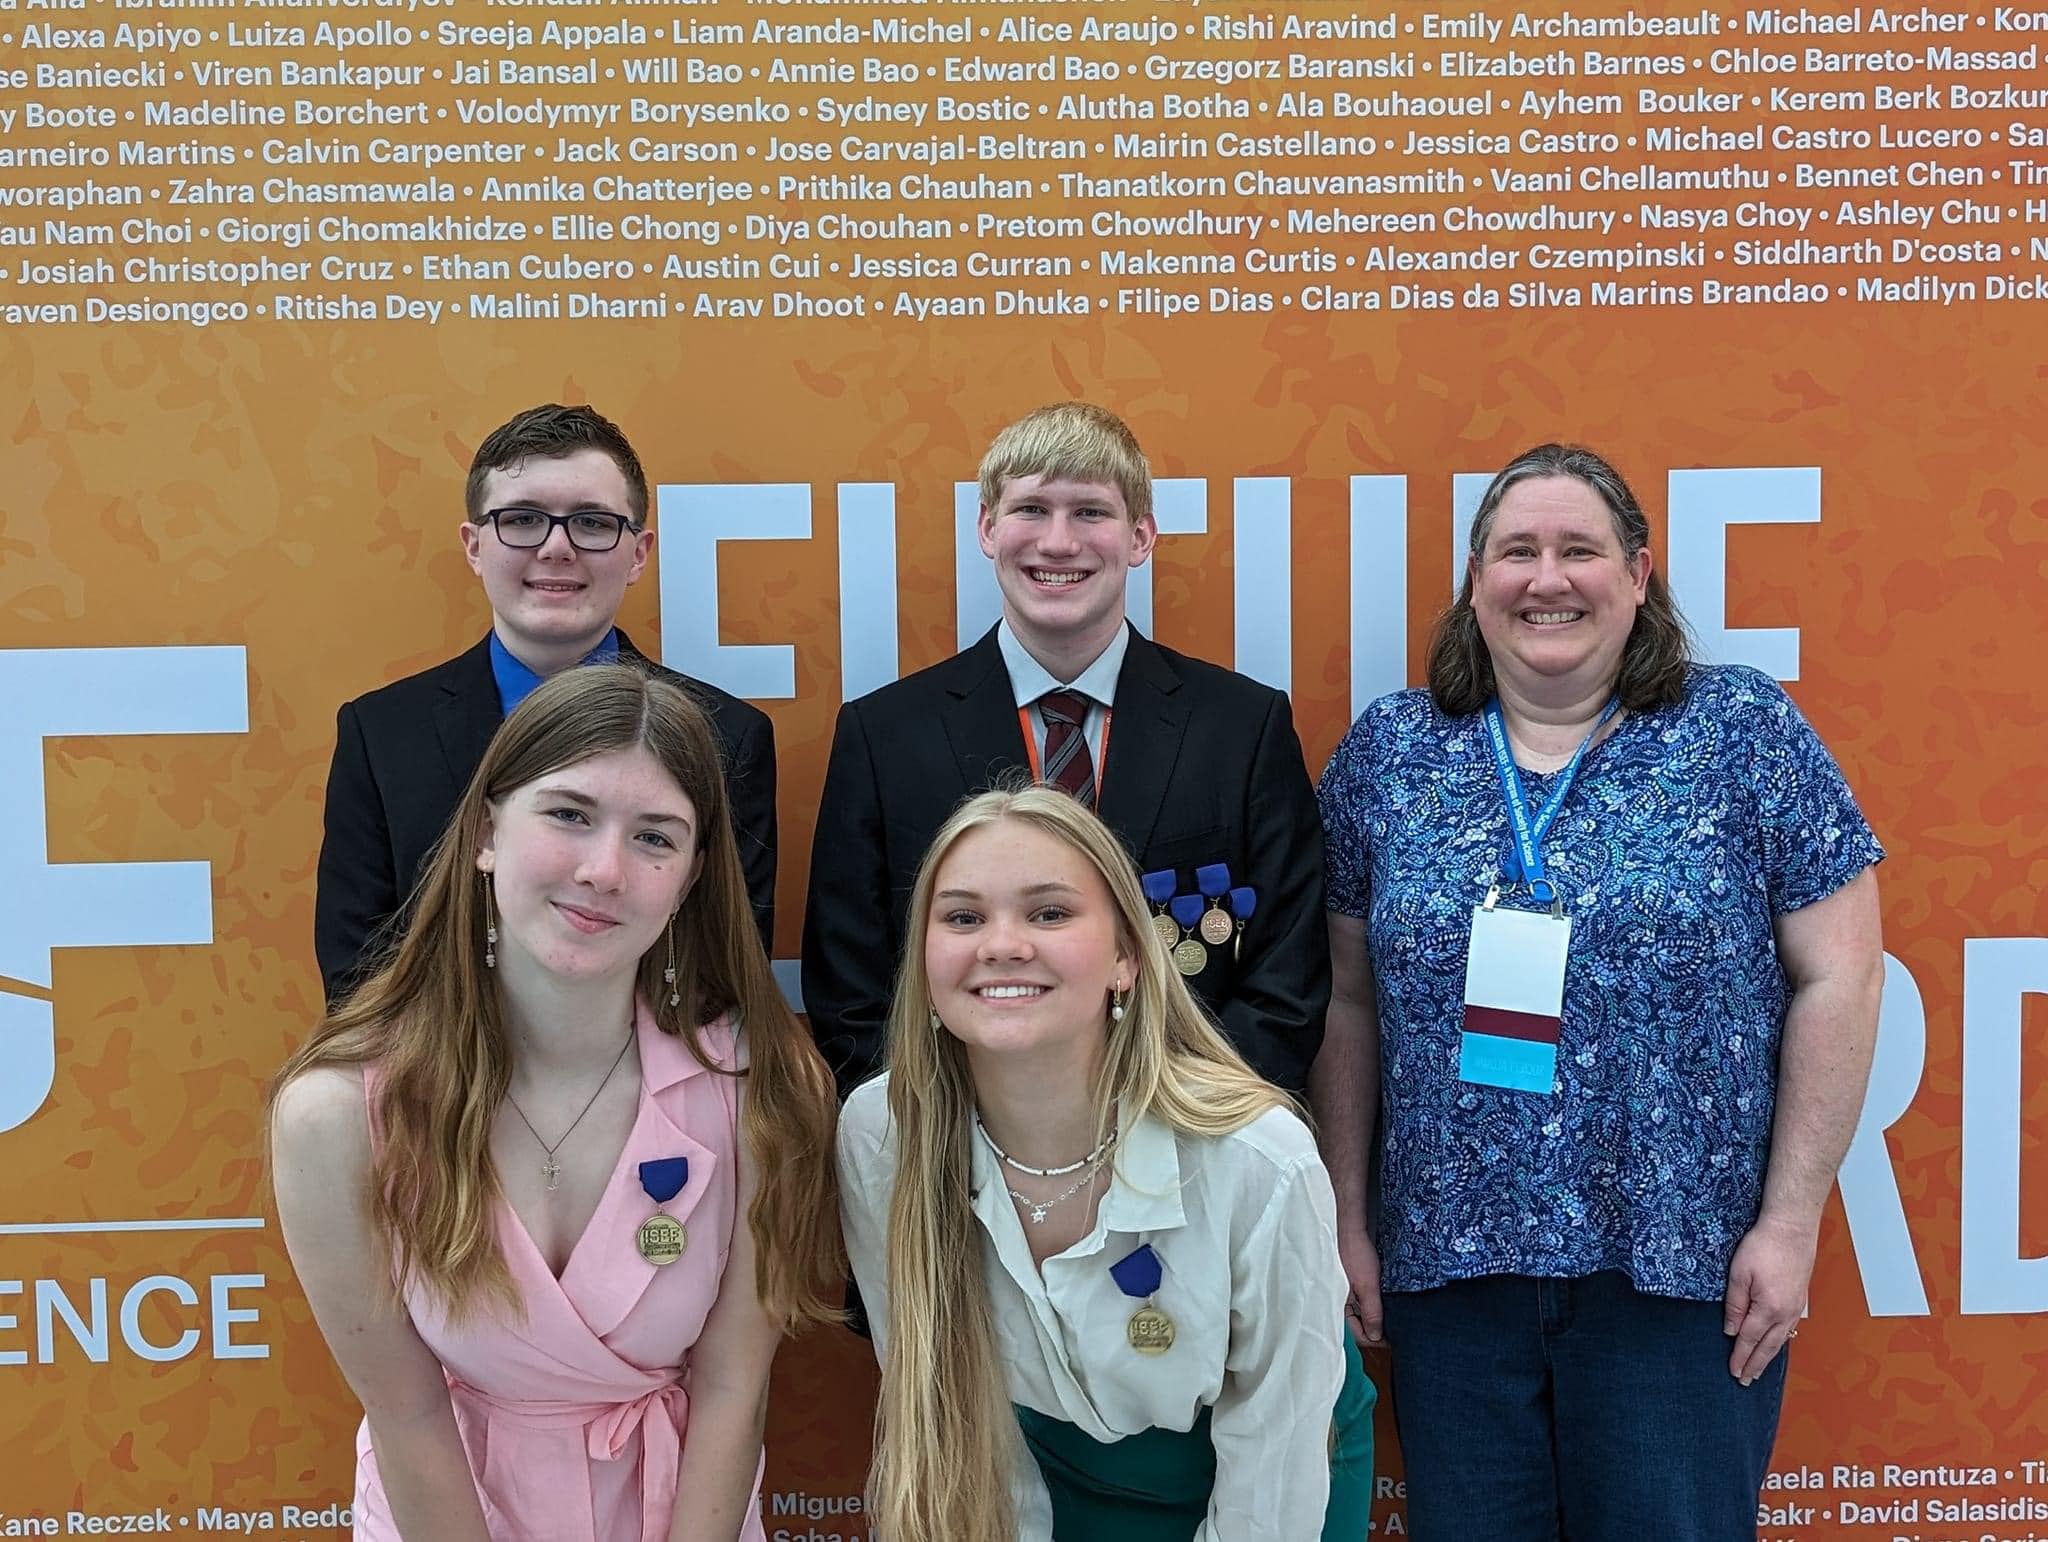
[1204, 766]
[403, 756]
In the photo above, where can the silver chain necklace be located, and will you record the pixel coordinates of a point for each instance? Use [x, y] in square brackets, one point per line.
[550, 1169]
[1045, 1172]
[1088, 1167]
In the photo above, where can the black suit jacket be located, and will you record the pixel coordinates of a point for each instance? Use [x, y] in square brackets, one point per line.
[1204, 766]
[403, 756]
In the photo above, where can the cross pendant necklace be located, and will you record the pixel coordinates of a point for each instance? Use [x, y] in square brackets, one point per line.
[550, 1169]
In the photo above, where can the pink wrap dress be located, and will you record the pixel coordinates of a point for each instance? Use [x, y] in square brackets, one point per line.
[574, 1417]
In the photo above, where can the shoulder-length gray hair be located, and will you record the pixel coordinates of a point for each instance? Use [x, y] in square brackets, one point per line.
[1659, 648]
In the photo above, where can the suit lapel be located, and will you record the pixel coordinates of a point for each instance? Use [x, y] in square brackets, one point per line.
[981, 719]
[1145, 733]
[468, 713]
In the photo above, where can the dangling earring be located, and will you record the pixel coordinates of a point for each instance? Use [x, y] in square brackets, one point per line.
[1117, 998]
[668, 975]
[490, 927]
[933, 1018]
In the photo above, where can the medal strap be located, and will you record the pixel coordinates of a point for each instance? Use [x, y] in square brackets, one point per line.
[1158, 886]
[1527, 863]
[1031, 752]
[1138, 1272]
[1187, 909]
[664, 1177]
[1243, 902]
[1213, 880]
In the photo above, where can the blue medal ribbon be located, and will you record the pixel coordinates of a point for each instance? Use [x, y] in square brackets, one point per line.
[664, 1177]
[1158, 886]
[1138, 1272]
[1242, 903]
[1213, 880]
[1187, 909]
[1526, 863]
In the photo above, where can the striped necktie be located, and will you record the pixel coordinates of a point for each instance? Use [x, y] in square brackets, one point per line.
[1068, 765]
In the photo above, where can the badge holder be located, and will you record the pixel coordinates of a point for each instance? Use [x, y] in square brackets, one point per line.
[1515, 965]
[1214, 882]
[1190, 957]
[1158, 889]
[661, 1238]
[1137, 1275]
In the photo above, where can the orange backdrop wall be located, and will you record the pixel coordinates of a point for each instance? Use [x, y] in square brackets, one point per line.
[1809, 327]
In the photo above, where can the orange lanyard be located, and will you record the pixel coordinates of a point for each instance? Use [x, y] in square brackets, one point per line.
[1031, 747]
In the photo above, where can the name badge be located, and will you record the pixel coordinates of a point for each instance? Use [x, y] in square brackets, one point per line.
[1514, 998]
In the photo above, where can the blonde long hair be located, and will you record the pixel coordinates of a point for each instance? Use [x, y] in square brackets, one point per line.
[428, 1017]
[945, 1435]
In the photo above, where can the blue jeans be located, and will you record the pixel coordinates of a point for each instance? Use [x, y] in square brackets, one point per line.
[1531, 1410]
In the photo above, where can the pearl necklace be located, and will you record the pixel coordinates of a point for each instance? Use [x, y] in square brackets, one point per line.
[1045, 1172]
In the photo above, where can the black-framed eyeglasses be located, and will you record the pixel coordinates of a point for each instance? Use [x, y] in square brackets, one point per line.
[525, 527]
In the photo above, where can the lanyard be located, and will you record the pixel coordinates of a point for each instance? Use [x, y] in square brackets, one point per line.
[1527, 863]
[1031, 746]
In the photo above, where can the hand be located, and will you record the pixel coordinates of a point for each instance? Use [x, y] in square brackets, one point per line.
[1362, 1268]
[1767, 1280]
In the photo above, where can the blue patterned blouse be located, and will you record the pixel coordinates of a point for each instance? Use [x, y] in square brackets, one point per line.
[1688, 830]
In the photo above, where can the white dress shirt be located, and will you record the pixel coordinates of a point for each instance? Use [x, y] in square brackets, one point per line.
[1245, 1228]
[1030, 680]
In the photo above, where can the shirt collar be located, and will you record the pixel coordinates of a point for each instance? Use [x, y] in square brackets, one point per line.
[1030, 679]
[665, 1058]
[516, 682]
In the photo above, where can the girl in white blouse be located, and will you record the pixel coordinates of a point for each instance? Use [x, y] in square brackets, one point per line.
[1099, 1253]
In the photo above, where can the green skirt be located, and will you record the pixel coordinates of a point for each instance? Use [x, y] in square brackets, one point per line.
[1154, 1486]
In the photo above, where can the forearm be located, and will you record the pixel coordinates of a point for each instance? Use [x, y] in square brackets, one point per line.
[1343, 1090]
[427, 1479]
[721, 1460]
[1824, 1058]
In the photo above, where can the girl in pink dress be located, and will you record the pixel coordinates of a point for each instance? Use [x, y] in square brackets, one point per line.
[512, 1168]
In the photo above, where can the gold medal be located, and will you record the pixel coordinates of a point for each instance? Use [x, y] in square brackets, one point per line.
[1189, 956]
[1167, 928]
[661, 1238]
[1150, 1331]
[1216, 926]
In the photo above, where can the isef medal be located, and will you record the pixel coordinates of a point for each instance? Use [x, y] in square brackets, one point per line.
[1214, 882]
[661, 1238]
[1137, 1275]
[1189, 956]
[1150, 1331]
[1158, 889]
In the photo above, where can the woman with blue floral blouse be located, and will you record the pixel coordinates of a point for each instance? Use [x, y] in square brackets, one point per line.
[1604, 932]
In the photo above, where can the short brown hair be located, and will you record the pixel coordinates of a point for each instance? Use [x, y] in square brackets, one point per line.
[1069, 442]
[1658, 653]
[552, 432]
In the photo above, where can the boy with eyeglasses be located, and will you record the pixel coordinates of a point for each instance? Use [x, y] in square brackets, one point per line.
[556, 528]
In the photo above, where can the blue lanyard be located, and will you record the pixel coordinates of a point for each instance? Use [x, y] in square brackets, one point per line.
[1527, 863]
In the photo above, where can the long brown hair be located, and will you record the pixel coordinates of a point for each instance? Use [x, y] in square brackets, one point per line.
[945, 1436]
[1658, 653]
[429, 1018]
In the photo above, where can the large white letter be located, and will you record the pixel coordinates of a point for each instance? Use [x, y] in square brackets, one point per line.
[1262, 552]
[57, 692]
[1379, 587]
[867, 587]
[1997, 972]
[1870, 1188]
[695, 517]
[1703, 504]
